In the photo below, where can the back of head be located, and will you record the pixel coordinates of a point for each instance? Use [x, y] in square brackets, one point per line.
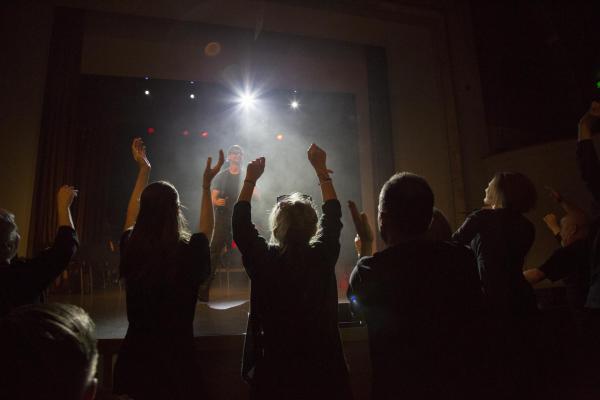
[293, 222]
[515, 191]
[405, 205]
[9, 238]
[160, 225]
[48, 352]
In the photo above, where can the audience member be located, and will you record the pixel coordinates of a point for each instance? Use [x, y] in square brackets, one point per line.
[293, 348]
[570, 262]
[162, 267]
[23, 281]
[421, 300]
[500, 236]
[48, 352]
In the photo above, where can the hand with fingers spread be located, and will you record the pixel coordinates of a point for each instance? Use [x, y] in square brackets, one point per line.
[211, 172]
[207, 218]
[138, 150]
[363, 241]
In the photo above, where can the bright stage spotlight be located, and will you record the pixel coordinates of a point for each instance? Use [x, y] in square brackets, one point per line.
[247, 100]
[294, 104]
[147, 92]
[192, 96]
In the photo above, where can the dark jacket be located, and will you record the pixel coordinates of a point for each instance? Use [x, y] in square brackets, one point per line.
[23, 281]
[422, 303]
[292, 347]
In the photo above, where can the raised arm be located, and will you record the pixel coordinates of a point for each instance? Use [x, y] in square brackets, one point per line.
[587, 159]
[138, 151]
[207, 219]
[64, 198]
[254, 171]
[318, 159]
[363, 242]
[566, 205]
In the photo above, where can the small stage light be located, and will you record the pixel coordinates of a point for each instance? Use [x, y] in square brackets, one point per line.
[192, 96]
[598, 85]
[279, 136]
[146, 77]
[150, 131]
[192, 82]
[294, 104]
[147, 92]
[204, 133]
[186, 133]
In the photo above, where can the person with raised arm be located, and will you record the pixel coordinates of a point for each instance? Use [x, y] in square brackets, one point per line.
[24, 281]
[420, 298]
[292, 348]
[162, 266]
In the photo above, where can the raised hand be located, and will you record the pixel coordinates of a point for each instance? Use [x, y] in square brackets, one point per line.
[552, 223]
[65, 196]
[363, 242]
[138, 150]
[255, 169]
[318, 159]
[210, 172]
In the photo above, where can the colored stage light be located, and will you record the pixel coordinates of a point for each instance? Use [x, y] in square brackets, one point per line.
[279, 136]
[147, 92]
[150, 131]
[294, 104]
[204, 133]
[597, 84]
[146, 78]
[186, 133]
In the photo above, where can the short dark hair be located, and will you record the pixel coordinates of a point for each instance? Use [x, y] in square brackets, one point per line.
[407, 200]
[48, 352]
[515, 191]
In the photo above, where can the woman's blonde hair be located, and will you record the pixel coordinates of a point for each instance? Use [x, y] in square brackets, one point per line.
[293, 222]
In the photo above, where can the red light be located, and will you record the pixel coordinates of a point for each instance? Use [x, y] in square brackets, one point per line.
[150, 131]
[204, 133]
[186, 133]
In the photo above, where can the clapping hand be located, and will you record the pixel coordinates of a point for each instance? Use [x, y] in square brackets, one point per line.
[363, 242]
[138, 150]
[211, 172]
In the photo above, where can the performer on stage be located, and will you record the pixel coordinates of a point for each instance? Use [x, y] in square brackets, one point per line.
[225, 190]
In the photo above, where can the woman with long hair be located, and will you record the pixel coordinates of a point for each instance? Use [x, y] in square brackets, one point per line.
[162, 266]
[293, 348]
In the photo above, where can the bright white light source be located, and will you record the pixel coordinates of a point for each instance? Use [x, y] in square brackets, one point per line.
[294, 104]
[147, 92]
[247, 100]
[192, 96]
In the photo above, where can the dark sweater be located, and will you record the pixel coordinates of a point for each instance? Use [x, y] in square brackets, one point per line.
[23, 281]
[293, 341]
[422, 303]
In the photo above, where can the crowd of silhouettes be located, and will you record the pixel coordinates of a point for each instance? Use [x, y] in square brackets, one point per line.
[449, 315]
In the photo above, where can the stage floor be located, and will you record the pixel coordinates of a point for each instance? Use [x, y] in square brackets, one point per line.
[226, 314]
